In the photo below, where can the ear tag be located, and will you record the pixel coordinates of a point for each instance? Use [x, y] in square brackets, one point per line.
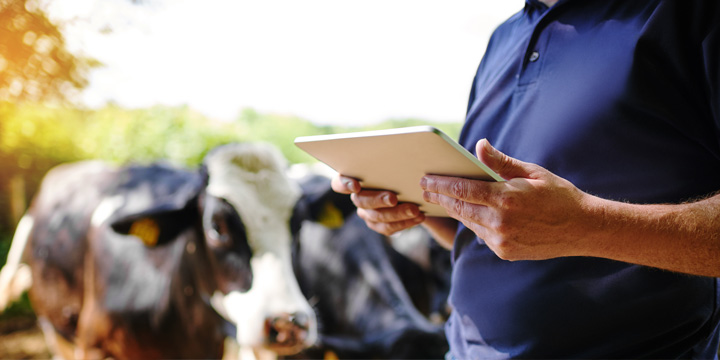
[330, 216]
[330, 355]
[146, 230]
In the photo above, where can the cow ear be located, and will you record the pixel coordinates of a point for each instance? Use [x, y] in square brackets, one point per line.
[323, 205]
[168, 215]
[157, 226]
[329, 215]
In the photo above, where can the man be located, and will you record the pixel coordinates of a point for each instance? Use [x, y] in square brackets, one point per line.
[607, 113]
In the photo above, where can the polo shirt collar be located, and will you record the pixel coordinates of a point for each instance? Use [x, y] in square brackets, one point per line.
[538, 4]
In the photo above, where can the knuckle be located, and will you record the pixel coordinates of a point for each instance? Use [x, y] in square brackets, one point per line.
[362, 213]
[501, 227]
[507, 234]
[368, 215]
[365, 201]
[385, 216]
[387, 229]
[390, 215]
[503, 248]
[458, 189]
[458, 207]
[374, 226]
[507, 201]
[506, 163]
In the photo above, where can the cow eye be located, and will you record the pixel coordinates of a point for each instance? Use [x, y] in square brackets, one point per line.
[218, 233]
[213, 234]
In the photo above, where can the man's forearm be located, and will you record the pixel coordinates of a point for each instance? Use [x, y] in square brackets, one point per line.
[683, 238]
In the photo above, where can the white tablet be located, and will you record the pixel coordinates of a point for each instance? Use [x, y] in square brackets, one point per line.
[397, 159]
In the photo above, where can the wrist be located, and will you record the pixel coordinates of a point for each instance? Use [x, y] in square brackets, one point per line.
[601, 222]
[442, 230]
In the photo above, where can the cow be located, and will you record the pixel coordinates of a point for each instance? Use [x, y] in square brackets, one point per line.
[350, 274]
[124, 262]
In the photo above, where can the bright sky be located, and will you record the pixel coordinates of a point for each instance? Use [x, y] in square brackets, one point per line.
[329, 61]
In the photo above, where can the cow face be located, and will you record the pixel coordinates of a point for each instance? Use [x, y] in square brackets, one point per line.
[273, 313]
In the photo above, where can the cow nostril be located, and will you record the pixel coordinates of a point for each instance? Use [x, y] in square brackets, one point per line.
[300, 320]
[286, 334]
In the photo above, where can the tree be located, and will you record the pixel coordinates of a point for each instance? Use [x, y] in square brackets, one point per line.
[34, 62]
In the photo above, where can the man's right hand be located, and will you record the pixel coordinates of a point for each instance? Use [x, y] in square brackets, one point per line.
[379, 209]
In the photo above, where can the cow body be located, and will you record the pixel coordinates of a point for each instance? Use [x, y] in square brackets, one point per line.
[124, 261]
[350, 274]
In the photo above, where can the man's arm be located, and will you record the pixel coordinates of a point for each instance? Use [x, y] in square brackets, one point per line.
[538, 215]
[684, 237]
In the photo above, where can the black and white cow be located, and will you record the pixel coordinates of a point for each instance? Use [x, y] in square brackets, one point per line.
[124, 261]
[351, 275]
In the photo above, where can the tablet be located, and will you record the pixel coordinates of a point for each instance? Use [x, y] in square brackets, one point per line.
[396, 160]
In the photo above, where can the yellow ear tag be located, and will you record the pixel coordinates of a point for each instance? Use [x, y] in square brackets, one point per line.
[146, 230]
[330, 216]
[330, 355]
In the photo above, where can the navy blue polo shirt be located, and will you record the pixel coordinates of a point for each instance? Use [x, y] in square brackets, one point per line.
[622, 98]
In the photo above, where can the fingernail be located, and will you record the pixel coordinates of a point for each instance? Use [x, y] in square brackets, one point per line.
[351, 185]
[427, 197]
[386, 200]
[490, 149]
[409, 212]
[426, 182]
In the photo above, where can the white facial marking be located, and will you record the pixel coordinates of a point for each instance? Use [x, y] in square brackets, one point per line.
[252, 178]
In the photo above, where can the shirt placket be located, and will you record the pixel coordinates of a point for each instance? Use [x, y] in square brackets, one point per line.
[536, 50]
[535, 55]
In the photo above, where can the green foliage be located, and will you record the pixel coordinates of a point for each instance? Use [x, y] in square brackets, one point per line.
[33, 138]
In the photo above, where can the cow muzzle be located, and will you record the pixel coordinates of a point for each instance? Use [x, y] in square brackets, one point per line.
[287, 334]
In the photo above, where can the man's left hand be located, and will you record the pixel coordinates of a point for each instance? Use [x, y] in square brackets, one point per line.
[532, 215]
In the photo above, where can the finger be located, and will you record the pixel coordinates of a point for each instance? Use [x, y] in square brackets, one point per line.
[402, 212]
[345, 185]
[480, 219]
[472, 191]
[461, 210]
[505, 166]
[374, 199]
[393, 227]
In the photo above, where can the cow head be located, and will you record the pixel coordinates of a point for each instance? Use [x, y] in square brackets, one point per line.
[273, 314]
[171, 202]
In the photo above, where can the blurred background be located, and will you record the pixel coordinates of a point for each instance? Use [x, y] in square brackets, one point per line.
[143, 80]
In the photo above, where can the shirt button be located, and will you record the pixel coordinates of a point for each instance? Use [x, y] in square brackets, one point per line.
[534, 56]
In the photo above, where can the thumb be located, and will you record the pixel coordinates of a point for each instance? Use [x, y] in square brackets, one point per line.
[506, 166]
